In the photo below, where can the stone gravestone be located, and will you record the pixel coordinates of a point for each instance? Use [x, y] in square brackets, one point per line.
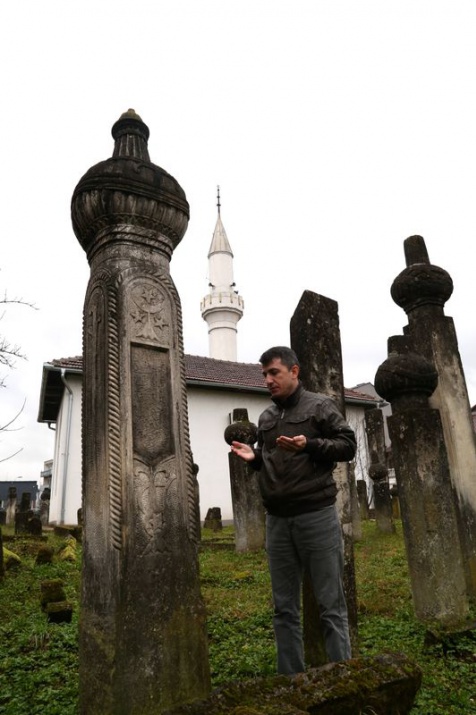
[11, 505]
[143, 641]
[2, 567]
[213, 520]
[378, 471]
[248, 511]
[45, 506]
[354, 504]
[315, 337]
[23, 514]
[429, 515]
[422, 290]
[363, 499]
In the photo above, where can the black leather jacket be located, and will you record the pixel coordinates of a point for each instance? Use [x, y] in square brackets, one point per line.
[294, 483]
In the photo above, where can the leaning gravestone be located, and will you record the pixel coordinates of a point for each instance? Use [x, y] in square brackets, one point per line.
[143, 642]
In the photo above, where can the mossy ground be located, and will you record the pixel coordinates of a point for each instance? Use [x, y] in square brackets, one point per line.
[39, 660]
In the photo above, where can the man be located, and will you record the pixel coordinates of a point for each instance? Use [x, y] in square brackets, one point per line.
[300, 438]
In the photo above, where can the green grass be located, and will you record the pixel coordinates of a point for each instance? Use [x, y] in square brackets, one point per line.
[38, 661]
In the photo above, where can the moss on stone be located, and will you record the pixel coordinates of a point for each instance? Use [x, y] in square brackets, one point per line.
[10, 559]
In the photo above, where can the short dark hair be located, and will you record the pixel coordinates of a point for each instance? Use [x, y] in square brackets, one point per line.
[287, 356]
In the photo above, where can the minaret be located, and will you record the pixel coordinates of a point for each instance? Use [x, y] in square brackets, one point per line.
[223, 307]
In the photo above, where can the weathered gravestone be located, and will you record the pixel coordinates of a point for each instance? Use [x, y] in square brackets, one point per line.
[213, 519]
[143, 642]
[354, 505]
[11, 505]
[315, 337]
[363, 499]
[2, 566]
[381, 685]
[378, 471]
[248, 511]
[23, 514]
[422, 290]
[428, 509]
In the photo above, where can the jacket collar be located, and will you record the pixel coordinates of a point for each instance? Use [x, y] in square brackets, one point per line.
[291, 400]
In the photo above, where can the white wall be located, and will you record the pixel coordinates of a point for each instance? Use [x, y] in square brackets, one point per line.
[66, 476]
[208, 414]
[355, 416]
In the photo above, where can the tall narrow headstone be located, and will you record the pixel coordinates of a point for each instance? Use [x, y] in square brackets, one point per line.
[422, 290]
[428, 509]
[248, 511]
[363, 499]
[11, 505]
[143, 644]
[378, 471]
[2, 567]
[354, 505]
[315, 337]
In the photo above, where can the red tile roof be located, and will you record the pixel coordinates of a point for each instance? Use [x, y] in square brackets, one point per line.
[223, 373]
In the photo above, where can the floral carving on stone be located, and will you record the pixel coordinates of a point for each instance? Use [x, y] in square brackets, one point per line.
[149, 313]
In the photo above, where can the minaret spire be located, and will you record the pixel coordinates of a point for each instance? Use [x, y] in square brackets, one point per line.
[223, 307]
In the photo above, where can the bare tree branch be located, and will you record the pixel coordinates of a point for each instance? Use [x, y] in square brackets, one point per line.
[9, 353]
[12, 455]
[4, 428]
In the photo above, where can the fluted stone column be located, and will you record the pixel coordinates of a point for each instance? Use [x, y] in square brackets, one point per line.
[315, 337]
[422, 289]
[428, 509]
[248, 510]
[143, 644]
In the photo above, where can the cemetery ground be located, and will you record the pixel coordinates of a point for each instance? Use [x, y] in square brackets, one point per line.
[39, 660]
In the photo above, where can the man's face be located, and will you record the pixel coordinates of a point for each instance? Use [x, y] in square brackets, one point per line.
[280, 380]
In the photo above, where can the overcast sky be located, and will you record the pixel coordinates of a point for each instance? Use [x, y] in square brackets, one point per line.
[336, 129]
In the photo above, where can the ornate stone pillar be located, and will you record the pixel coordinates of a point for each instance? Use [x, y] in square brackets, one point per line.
[422, 289]
[143, 644]
[428, 510]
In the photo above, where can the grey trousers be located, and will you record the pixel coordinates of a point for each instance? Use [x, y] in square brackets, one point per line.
[313, 542]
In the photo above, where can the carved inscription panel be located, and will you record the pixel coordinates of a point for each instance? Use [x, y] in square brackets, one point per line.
[152, 410]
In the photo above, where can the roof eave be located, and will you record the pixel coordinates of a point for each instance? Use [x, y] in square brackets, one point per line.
[49, 369]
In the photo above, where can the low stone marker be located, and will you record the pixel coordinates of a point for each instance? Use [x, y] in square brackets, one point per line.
[381, 685]
[54, 603]
[213, 519]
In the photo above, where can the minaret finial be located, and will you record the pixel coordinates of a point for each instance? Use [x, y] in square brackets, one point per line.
[218, 199]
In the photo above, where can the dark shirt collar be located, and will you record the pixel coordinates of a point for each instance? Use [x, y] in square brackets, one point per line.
[291, 399]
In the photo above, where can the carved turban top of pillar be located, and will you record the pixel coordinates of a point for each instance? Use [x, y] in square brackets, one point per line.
[406, 379]
[128, 190]
[241, 431]
[420, 283]
[378, 471]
